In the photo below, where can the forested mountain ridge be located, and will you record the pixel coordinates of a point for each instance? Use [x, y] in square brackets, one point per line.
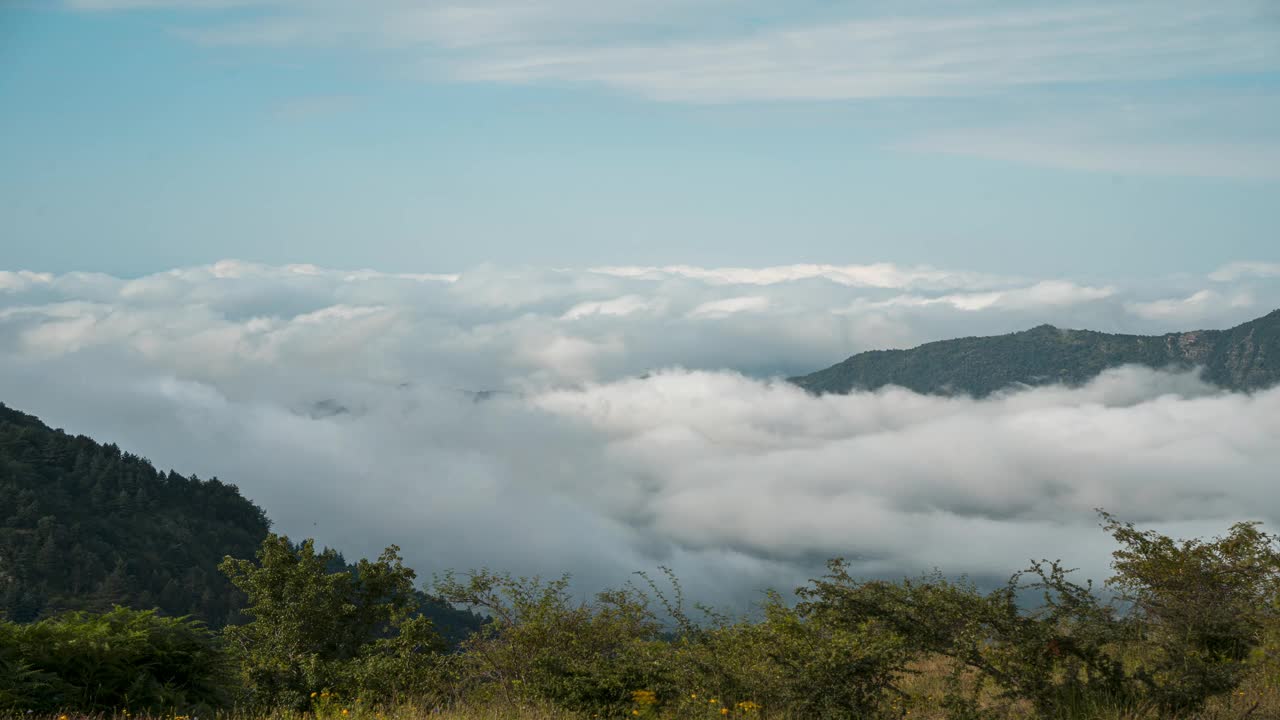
[1245, 357]
[85, 526]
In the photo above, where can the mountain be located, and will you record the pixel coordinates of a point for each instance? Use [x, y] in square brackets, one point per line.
[1245, 357]
[84, 526]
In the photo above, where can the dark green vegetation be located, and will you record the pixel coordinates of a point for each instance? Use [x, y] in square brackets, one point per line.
[118, 659]
[85, 526]
[1246, 357]
[1191, 622]
[312, 627]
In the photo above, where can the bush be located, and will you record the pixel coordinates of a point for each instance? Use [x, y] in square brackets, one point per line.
[313, 629]
[539, 645]
[1186, 621]
[120, 659]
[1201, 608]
[808, 661]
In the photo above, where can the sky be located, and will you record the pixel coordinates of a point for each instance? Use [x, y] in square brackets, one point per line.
[1102, 139]
[286, 242]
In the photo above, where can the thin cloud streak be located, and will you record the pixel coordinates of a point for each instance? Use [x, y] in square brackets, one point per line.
[1001, 59]
[955, 50]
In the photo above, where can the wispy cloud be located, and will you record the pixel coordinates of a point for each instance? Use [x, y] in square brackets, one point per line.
[686, 51]
[701, 52]
[979, 53]
[912, 57]
[1237, 270]
[875, 275]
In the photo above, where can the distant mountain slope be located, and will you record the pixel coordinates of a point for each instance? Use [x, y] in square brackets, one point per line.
[1246, 357]
[84, 526]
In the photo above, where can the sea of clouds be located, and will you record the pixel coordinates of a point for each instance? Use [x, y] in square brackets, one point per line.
[605, 420]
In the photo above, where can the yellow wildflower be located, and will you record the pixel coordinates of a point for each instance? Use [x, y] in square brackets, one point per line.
[724, 711]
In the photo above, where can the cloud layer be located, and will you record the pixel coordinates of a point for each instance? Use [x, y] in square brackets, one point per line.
[635, 420]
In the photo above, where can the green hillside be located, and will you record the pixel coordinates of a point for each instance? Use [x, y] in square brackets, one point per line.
[85, 526]
[1246, 357]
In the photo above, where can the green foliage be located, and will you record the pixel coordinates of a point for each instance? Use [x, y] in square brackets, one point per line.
[1191, 616]
[119, 659]
[85, 526]
[1057, 656]
[1246, 357]
[810, 660]
[313, 628]
[1194, 612]
[540, 644]
[405, 665]
[1202, 607]
[21, 685]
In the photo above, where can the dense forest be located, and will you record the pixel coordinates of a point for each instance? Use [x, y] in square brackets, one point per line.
[86, 526]
[1245, 357]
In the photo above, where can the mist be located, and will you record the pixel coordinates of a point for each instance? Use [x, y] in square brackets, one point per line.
[636, 417]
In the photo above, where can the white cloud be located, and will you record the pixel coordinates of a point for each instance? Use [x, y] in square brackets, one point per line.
[1194, 307]
[1237, 270]
[1044, 294]
[18, 281]
[737, 482]
[616, 307]
[718, 309]
[876, 275]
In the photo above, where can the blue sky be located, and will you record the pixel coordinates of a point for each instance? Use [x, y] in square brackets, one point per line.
[1095, 140]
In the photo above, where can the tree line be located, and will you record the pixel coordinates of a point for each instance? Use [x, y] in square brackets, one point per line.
[1180, 623]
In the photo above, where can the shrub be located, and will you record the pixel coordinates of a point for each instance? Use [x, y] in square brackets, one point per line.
[313, 629]
[120, 659]
[1201, 608]
[541, 645]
